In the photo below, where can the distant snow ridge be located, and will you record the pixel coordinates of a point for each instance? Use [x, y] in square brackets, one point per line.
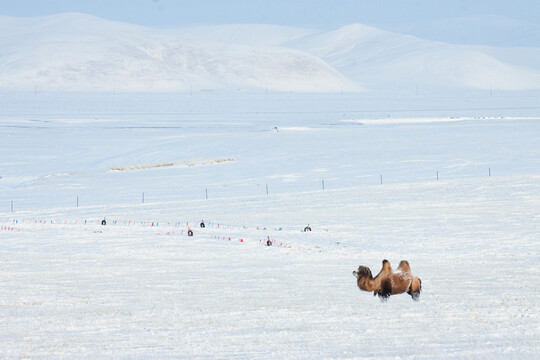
[79, 52]
[380, 58]
[83, 53]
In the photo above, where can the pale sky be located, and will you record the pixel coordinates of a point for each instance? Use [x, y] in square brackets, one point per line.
[322, 14]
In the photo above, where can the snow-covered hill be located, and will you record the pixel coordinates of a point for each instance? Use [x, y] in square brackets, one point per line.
[380, 58]
[79, 52]
[247, 34]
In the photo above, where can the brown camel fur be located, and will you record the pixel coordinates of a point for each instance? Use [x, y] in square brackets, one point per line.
[387, 282]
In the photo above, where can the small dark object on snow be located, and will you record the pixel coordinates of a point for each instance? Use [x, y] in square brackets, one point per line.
[307, 228]
[190, 232]
[103, 222]
[269, 242]
[202, 224]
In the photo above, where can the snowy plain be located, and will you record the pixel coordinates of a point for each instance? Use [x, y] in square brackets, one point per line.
[450, 183]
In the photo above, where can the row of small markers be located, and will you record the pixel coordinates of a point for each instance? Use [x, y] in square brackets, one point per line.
[261, 241]
[8, 228]
[128, 223]
[273, 242]
[139, 223]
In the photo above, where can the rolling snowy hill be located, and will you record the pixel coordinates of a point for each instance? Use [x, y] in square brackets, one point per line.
[84, 53]
[79, 52]
[380, 58]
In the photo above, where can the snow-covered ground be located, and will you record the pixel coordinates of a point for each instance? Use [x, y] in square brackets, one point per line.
[139, 287]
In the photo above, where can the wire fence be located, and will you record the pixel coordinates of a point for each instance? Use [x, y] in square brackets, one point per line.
[48, 198]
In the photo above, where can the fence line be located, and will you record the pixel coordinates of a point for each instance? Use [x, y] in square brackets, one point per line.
[222, 191]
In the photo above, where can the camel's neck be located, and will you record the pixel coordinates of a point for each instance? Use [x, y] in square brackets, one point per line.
[376, 281]
[368, 283]
[373, 283]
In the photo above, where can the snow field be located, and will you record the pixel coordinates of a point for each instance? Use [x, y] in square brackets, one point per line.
[88, 290]
[76, 289]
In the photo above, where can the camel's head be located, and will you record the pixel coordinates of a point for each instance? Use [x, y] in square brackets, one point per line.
[362, 272]
[363, 278]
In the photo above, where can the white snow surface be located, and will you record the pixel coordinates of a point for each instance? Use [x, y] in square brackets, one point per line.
[459, 199]
[85, 53]
[78, 52]
[379, 58]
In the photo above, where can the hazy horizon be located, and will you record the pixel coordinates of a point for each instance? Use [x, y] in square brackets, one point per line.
[301, 13]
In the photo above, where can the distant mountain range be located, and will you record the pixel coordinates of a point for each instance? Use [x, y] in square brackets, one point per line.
[77, 52]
